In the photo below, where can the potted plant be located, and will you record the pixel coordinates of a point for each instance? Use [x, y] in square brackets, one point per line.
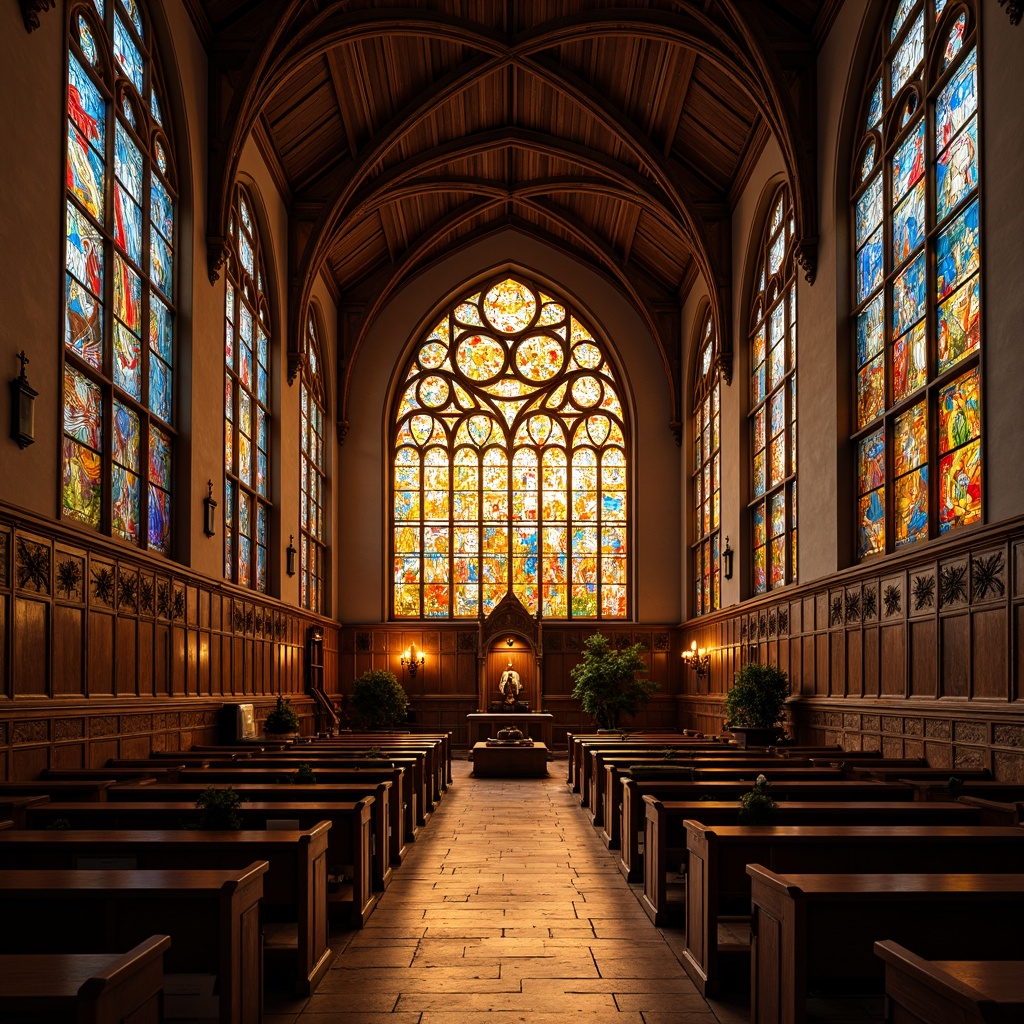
[378, 700]
[218, 809]
[757, 806]
[606, 681]
[282, 719]
[754, 704]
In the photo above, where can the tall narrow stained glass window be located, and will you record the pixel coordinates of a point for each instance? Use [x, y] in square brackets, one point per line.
[312, 482]
[511, 467]
[917, 282]
[246, 402]
[119, 313]
[706, 473]
[773, 402]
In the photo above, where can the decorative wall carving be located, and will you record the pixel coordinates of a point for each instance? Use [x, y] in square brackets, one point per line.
[892, 598]
[31, 9]
[103, 583]
[68, 728]
[178, 603]
[32, 731]
[953, 584]
[70, 577]
[870, 602]
[835, 614]
[163, 599]
[5, 552]
[852, 606]
[923, 589]
[988, 576]
[147, 594]
[1008, 735]
[136, 723]
[552, 640]
[662, 642]
[103, 725]
[363, 640]
[127, 590]
[33, 566]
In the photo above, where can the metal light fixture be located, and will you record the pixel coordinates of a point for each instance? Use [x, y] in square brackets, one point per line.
[699, 660]
[23, 407]
[510, 641]
[209, 511]
[412, 659]
[727, 560]
[289, 555]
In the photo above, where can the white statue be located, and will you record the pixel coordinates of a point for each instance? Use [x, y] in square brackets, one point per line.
[510, 686]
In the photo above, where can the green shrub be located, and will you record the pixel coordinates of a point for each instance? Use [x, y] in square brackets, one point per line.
[606, 682]
[757, 807]
[283, 718]
[378, 700]
[304, 775]
[757, 696]
[218, 809]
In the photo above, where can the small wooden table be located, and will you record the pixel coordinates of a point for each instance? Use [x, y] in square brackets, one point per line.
[535, 724]
[510, 760]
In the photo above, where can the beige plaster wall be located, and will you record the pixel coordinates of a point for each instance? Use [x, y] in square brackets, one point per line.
[361, 545]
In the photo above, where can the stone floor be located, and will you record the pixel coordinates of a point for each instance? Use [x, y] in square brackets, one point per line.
[508, 908]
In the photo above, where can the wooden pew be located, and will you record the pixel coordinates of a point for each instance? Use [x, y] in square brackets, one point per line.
[823, 927]
[950, 991]
[712, 770]
[14, 807]
[212, 917]
[75, 789]
[385, 817]
[164, 773]
[718, 886]
[579, 782]
[294, 888]
[326, 772]
[84, 988]
[929, 789]
[634, 793]
[348, 843]
[917, 774]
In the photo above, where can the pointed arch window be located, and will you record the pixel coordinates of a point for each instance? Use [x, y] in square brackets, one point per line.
[511, 468]
[773, 402]
[119, 289]
[246, 401]
[706, 473]
[917, 285]
[313, 479]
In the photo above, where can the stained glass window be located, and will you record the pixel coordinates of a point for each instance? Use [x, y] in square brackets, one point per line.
[917, 285]
[706, 473]
[119, 312]
[773, 402]
[510, 468]
[246, 402]
[312, 482]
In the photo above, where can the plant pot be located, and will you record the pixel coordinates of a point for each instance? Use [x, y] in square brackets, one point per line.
[747, 736]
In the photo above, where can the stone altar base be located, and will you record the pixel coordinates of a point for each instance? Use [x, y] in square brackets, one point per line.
[510, 761]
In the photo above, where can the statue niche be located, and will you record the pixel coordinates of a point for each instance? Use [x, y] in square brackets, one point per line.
[510, 687]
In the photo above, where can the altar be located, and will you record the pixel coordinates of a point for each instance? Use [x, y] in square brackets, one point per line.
[484, 725]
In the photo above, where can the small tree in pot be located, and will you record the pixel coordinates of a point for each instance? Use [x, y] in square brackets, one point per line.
[378, 700]
[606, 682]
[754, 704]
[282, 719]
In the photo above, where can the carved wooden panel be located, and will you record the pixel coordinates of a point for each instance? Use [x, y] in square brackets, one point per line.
[955, 656]
[990, 654]
[32, 646]
[68, 649]
[923, 675]
[101, 653]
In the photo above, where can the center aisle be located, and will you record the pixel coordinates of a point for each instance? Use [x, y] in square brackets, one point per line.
[508, 908]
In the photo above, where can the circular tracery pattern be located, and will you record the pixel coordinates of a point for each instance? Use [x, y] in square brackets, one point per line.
[510, 465]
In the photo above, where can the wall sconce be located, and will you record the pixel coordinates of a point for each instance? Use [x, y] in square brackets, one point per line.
[289, 555]
[23, 407]
[727, 560]
[412, 659]
[209, 511]
[699, 660]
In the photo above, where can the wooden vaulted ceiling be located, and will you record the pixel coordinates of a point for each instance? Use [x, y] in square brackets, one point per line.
[620, 131]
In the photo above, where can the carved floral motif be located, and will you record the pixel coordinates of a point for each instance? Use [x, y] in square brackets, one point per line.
[952, 584]
[924, 592]
[33, 566]
[69, 578]
[103, 584]
[987, 576]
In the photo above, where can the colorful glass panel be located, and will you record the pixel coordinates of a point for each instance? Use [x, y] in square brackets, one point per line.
[908, 56]
[908, 226]
[956, 170]
[507, 517]
[907, 164]
[957, 251]
[127, 53]
[957, 102]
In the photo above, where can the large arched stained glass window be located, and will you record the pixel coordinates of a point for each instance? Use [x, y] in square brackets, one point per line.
[246, 402]
[917, 287]
[510, 463]
[312, 482]
[706, 473]
[118, 433]
[773, 402]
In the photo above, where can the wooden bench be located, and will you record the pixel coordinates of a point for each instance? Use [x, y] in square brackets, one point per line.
[580, 780]
[84, 988]
[821, 928]
[388, 848]
[509, 760]
[73, 789]
[718, 886]
[162, 773]
[348, 843]
[294, 888]
[950, 991]
[212, 917]
[634, 792]
[930, 789]
[13, 807]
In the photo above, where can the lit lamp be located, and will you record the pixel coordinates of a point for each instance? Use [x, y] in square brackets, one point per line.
[699, 660]
[412, 659]
[727, 560]
[289, 555]
[209, 511]
[23, 407]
